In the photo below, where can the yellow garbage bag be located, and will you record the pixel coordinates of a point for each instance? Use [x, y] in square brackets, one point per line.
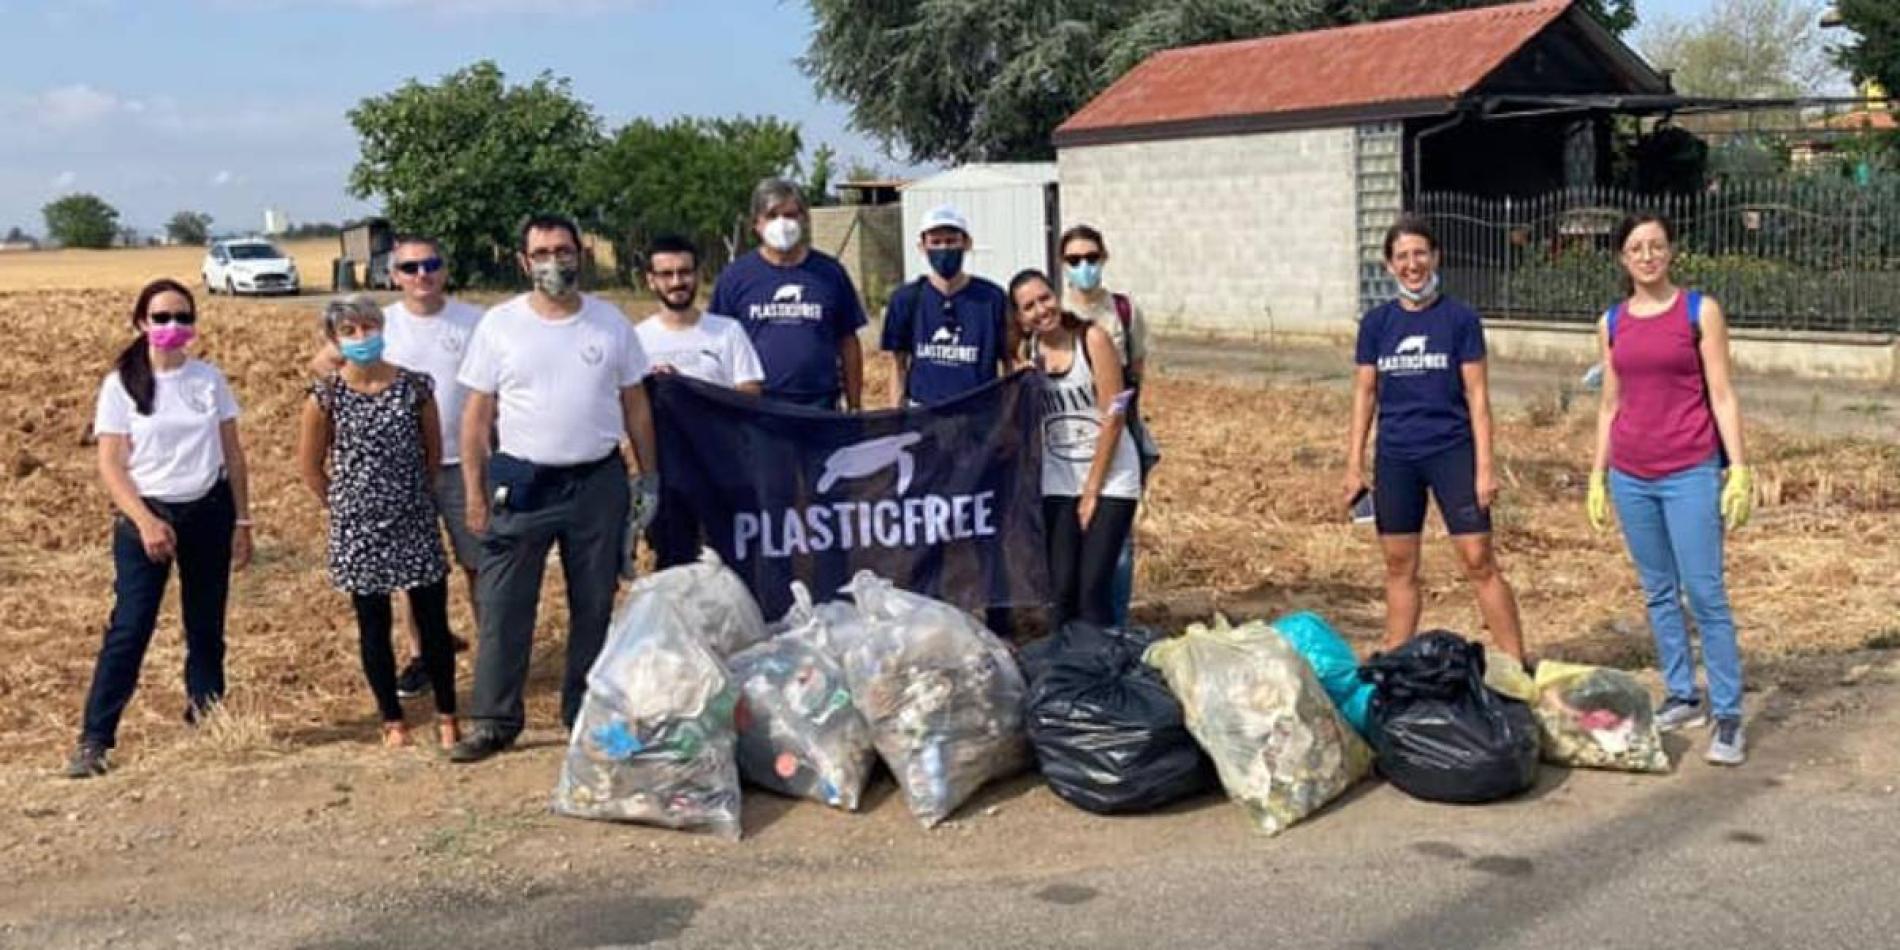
[1596, 717]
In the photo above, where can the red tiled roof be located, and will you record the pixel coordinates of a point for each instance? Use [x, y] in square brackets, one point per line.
[1412, 60]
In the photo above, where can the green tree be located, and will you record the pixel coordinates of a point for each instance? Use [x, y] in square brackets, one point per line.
[1743, 49]
[824, 161]
[988, 80]
[469, 158]
[17, 236]
[188, 227]
[81, 220]
[690, 176]
[1875, 52]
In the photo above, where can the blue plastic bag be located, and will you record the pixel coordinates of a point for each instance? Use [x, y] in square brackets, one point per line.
[1333, 663]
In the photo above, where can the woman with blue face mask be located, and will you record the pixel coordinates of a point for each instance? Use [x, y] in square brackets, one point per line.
[369, 448]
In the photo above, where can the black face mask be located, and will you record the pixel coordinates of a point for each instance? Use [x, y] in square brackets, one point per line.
[946, 261]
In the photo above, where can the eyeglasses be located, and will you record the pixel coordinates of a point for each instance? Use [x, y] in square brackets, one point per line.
[554, 254]
[183, 318]
[1074, 260]
[665, 276]
[427, 265]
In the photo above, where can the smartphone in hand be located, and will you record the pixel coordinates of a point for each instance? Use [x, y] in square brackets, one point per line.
[1362, 507]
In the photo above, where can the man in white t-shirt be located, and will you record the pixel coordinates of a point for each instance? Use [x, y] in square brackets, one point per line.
[427, 332]
[556, 374]
[704, 346]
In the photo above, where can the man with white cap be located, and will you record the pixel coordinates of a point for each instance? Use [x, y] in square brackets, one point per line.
[949, 331]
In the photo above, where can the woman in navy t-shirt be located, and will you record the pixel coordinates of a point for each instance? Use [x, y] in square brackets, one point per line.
[1421, 367]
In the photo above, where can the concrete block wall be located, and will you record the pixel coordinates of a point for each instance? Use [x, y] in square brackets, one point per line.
[867, 241]
[1245, 234]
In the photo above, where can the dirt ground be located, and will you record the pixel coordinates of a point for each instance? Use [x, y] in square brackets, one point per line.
[285, 810]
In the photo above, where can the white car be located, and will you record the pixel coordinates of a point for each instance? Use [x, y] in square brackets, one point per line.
[249, 266]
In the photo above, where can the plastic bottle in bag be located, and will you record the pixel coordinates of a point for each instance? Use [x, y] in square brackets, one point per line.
[942, 696]
[1280, 746]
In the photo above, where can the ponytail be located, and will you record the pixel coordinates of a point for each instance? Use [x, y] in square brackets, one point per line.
[135, 361]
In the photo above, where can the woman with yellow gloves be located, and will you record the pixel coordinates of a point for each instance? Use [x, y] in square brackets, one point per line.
[1668, 426]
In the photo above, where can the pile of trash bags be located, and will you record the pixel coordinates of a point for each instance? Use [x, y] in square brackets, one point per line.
[1108, 735]
[1440, 733]
[942, 696]
[1253, 703]
[799, 732]
[654, 740]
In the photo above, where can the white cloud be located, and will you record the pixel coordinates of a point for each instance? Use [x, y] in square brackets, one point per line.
[222, 178]
[77, 106]
[65, 179]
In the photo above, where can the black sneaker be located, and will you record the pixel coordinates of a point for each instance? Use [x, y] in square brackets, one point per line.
[413, 681]
[88, 761]
[479, 744]
[460, 643]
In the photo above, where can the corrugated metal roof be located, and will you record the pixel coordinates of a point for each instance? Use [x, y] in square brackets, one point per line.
[1403, 65]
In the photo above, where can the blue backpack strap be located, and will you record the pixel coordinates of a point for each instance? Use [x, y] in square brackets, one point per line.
[1609, 321]
[1695, 312]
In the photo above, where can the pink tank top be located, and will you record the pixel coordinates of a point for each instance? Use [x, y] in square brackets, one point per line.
[1663, 424]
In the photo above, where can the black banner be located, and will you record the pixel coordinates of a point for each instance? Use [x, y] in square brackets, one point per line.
[945, 500]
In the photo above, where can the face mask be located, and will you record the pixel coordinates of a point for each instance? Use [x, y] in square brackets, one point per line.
[365, 349]
[946, 261]
[782, 234]
[1085, 276]
[1423, 294]
[170, 336]
[556, 278]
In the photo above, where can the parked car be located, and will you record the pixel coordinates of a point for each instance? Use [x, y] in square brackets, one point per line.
[249, 266]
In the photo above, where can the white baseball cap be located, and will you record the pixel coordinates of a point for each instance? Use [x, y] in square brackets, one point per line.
[944, 216]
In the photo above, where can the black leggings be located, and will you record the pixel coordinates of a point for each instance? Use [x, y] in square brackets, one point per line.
[430, 606]
[1082, 563]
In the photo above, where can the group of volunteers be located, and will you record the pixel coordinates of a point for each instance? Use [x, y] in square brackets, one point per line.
[527, 427]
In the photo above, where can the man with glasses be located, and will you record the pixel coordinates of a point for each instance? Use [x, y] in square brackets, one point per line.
[427, 332]
[708, 347]
[949, 331]
[557, 375]
[797, 305]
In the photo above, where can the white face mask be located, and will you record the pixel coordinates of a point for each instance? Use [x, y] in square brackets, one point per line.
[1423, 294]
[782, 234]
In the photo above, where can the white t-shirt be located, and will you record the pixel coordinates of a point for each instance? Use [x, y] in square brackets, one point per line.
[557, 382]
[177, 454]
[714, 350]
[434, 345]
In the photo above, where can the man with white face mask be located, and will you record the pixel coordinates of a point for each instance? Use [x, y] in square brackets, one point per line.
[557, 375]
[797, 304]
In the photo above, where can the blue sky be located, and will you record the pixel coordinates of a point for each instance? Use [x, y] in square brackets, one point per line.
[229, 106]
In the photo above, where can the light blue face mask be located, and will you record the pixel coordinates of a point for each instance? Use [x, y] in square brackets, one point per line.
[1085, 276]
[1423, 294]
[362, 350]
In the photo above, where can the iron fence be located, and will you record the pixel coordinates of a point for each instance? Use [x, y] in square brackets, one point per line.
[1781, 254]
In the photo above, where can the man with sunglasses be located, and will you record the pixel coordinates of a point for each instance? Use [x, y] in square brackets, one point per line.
[555, 374]
[709, 347]
[949, 331]
[427, 332]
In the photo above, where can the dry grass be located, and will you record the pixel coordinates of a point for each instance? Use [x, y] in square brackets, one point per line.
[132, 267]
[1242, 514]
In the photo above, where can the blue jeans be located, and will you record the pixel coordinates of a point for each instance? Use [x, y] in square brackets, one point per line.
[1673, 526]
[203, 531]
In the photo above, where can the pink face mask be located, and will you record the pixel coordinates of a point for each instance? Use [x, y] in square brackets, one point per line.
[170, 336]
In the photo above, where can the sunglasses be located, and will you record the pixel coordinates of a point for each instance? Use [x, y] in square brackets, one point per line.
[183, 318]
[1073, 260]
[427, 265]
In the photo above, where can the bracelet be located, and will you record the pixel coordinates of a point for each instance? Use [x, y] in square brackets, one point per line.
[244, 523]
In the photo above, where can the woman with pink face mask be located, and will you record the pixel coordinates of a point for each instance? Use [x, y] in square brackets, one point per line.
[171, 461]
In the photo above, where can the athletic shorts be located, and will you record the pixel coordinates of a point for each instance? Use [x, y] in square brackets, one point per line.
[451, 500]
[1399, 487]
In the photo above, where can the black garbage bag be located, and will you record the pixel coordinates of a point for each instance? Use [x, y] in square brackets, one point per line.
[1109, 734]
[1439, 733]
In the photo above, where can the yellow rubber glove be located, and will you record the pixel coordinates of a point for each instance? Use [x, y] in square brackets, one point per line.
[1597, 503]
[1738, 496]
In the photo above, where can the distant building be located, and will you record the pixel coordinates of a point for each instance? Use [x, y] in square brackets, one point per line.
[275, 222]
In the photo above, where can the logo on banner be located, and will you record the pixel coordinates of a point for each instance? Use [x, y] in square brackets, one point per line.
[897, 521]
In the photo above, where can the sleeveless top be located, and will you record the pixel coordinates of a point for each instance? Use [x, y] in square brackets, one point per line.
[1663, 422]
[383, 534]
[1071, 426]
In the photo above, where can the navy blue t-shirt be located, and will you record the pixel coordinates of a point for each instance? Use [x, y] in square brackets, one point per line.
[1419, 356]
[953, 342]
[796, 317]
